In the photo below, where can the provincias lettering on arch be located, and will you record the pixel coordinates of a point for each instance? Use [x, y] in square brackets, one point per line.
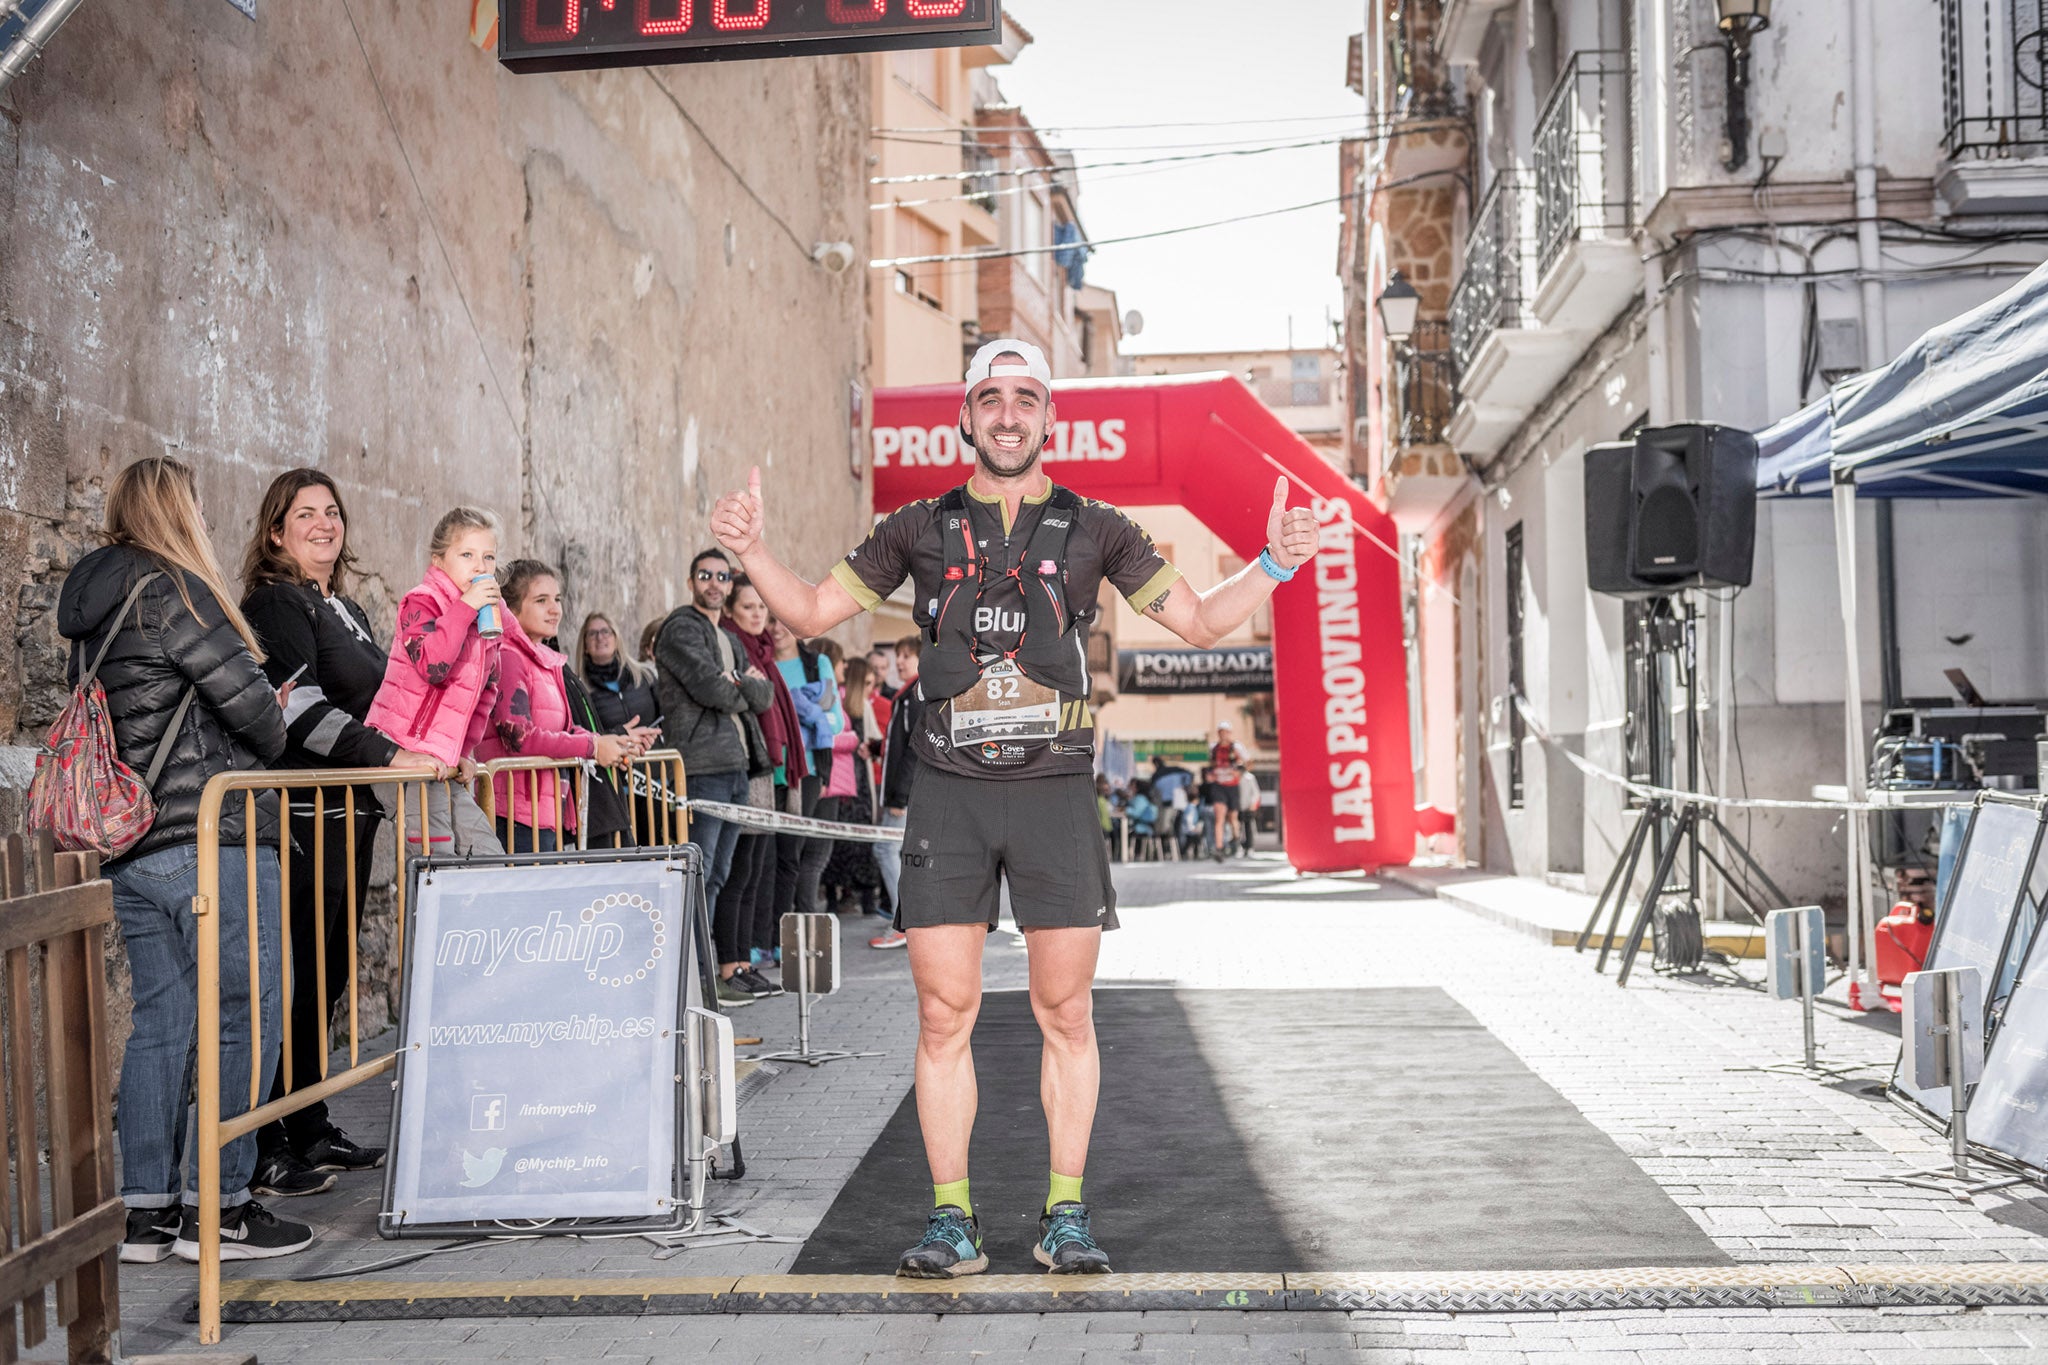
[1338, 633]
[940, 447]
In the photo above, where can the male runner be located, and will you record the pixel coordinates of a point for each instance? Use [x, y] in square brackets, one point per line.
[1007, 571]
[1226, 763]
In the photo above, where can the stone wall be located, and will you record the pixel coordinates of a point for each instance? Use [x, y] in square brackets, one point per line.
[342, 236]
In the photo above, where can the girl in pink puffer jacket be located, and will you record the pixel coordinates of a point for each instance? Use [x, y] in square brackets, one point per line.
[442, 680]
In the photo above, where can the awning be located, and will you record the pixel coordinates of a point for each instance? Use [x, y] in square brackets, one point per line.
[1963, 412]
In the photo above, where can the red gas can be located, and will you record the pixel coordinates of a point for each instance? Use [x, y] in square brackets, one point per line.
[1902, 938]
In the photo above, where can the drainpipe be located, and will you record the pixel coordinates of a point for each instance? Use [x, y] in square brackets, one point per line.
[33, 38]
[1863, 102]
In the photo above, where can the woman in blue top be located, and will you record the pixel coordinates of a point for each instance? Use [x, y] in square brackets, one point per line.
[814, 687]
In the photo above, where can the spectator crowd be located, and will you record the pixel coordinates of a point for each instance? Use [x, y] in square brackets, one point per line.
[199, 679]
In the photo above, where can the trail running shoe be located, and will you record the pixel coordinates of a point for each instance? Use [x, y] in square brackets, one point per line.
[282, 1175]
[889, 938]
[951, 1247]
[333, 1151]
[751, 980]
[1066, 1246]
[149, 1237]
[248, 1232]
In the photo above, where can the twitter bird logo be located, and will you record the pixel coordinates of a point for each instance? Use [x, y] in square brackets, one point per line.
[478, 1171]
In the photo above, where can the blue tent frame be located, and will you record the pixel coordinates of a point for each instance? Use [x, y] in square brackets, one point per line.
[1962, 413]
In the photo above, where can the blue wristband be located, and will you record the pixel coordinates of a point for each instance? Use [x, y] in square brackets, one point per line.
[1272, 567]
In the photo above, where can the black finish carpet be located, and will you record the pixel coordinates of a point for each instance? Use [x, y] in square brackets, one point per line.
[1281, 1131]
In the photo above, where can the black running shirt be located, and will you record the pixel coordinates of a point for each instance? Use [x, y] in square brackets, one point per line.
[1103, 544]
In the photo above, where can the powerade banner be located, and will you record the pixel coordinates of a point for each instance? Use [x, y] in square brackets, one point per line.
[539, 1044]
[1249, 669]
[1340, 682]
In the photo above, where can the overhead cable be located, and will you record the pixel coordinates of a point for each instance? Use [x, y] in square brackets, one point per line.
[899, 261]
[1367, 135]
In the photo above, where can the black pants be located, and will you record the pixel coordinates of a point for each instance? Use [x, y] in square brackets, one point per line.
[301, 1129]
[735, 925]
[522, 840]
[800, 862]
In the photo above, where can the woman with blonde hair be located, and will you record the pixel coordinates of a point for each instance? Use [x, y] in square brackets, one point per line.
[182, 673]
[621, 687]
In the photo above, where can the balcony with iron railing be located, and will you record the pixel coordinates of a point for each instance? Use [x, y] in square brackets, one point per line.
[1505, 358]
[1426, 384]
[1494, 280]
[1420, 473]
[1585, 195]
[1994, 102]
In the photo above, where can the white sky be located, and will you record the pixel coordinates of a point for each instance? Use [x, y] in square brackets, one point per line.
[1174, 61]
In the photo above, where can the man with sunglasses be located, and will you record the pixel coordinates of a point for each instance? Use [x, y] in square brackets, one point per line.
[705, 685]
[1008, 570]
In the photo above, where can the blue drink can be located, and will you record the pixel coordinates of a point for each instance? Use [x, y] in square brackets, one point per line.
[487, 623]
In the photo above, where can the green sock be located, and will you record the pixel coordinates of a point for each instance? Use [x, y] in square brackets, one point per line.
[1065, 1189]
[953, 1192]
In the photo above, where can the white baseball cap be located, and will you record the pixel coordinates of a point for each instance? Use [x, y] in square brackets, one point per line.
[1010, 352]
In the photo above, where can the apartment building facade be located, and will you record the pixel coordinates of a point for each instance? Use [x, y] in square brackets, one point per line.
[1652, 212]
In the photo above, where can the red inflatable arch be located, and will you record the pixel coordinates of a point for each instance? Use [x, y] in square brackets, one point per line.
[1204, 442]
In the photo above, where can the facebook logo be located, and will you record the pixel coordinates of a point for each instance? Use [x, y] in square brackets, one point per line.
[486, 1113]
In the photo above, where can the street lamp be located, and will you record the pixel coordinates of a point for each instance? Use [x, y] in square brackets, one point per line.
[1398, 304]
[1740, 20]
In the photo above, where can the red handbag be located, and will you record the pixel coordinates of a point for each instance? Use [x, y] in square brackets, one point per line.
[89, 800]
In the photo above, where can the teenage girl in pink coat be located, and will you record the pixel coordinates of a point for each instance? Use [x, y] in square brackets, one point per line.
[531, 719]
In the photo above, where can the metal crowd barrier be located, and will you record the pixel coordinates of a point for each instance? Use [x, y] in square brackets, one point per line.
[653, 784]
[645, 784]
[214, 1131]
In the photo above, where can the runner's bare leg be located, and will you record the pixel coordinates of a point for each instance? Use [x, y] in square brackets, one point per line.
[1070, 1070]
[945, 963]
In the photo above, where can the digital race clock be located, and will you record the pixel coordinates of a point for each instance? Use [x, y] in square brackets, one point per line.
[573, 35]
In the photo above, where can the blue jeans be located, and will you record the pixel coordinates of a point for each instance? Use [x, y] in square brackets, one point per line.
[889, 856]
[155, 1106]
[718, 838]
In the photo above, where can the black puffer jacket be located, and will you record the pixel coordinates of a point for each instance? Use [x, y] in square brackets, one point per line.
[162, 649]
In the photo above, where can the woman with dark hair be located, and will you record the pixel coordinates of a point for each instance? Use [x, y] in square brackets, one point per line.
[621, 688]
[531, 716]
[295, 577]
[150, 617]
[745, 923]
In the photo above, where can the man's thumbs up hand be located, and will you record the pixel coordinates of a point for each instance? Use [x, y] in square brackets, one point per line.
[1290, 531]
[738, 518]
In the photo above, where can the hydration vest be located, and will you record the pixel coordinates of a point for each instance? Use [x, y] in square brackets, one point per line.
[1048, 648]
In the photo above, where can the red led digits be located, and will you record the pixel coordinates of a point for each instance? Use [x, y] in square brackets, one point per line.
[643, 16]
[865, 12]
[725, 21]
[534, 31]
[937, 9]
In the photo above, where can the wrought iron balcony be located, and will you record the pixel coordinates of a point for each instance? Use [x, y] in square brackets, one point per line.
[1491, 291]
[1994, 78]
[1426, 383]
[1422, 88]
[1583, 169]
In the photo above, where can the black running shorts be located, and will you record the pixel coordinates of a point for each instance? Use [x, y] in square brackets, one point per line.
[1227, 796]
[1042, 833]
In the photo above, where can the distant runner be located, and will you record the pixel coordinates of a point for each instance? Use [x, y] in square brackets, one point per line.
[1007, 569]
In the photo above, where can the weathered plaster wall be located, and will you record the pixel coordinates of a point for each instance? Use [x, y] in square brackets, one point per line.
[342, 236]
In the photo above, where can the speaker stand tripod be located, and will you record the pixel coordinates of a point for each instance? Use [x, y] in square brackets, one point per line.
[1669, 822]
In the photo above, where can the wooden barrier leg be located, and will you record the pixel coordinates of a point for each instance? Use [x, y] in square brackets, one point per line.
[81, 1164]
[28, 1199]
[206, 906]
[354, 1028]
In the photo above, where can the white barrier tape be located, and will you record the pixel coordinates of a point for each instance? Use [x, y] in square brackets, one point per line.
[1592, 769]
[646, 788]
[781, 822]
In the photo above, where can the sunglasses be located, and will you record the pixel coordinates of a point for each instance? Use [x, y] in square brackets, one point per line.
[713, 575]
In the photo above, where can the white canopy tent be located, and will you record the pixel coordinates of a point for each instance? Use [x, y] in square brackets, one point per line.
[1962, 413]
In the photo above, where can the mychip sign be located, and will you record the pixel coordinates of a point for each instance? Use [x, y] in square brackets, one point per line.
[1249, 669]
[539, 1042]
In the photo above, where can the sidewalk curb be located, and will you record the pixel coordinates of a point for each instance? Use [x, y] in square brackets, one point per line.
[1736, 940]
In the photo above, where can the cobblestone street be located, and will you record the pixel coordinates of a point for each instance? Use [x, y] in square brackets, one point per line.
[1765, 1163]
